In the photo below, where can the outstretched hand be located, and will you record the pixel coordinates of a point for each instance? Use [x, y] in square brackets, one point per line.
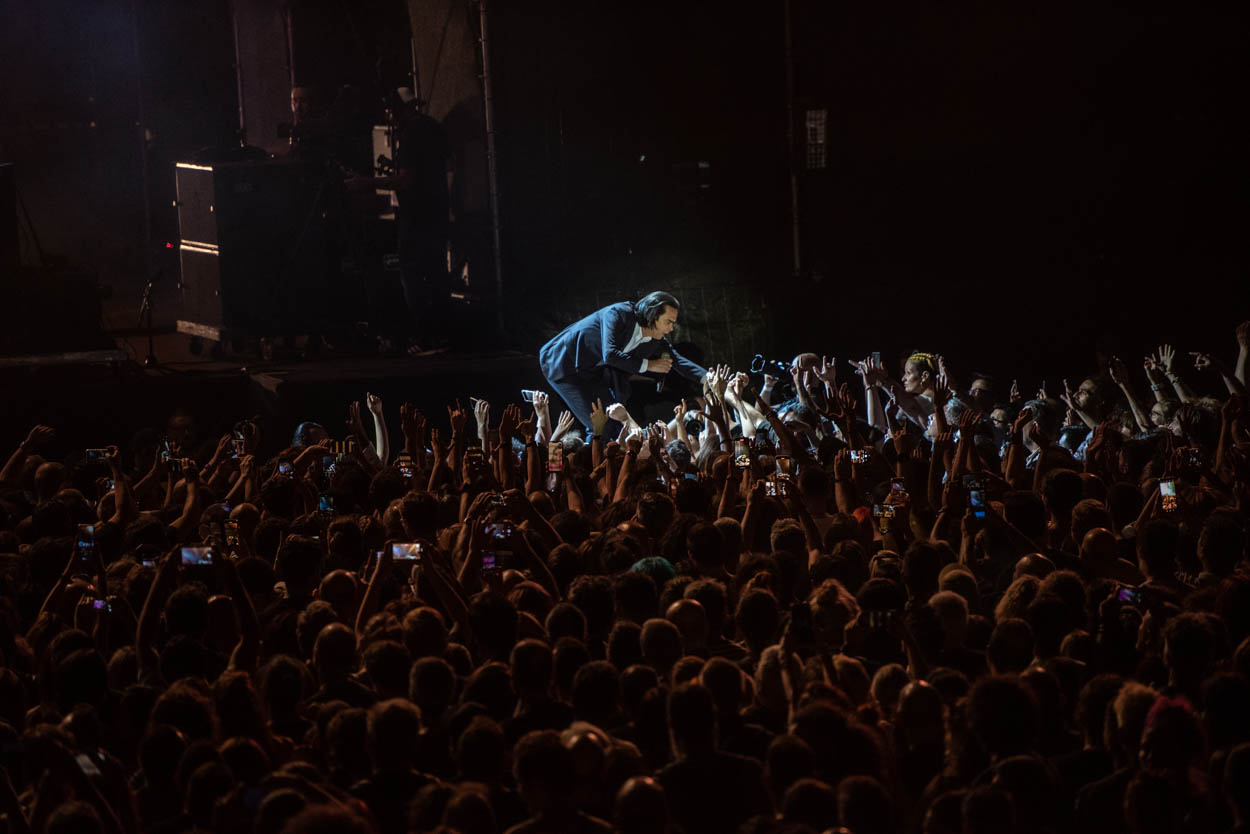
[38, 436]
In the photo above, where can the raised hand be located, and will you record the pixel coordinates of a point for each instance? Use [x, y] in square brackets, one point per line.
[481, 413]
[38, 436]
[374, 402]
[718, 380]
[1151, 364]
[619, 413]
[1230, 411]
[1014, 396]
[565, 423]
[941, 391]
[1167, 358]
[412, 424]
[599, 418]
[354, 424]
[770, 381]
[457, 416]
[1119, 373]
[1022, 420]
[527, 428]
[1068, 397]
[842, 467]
[1202, 361]
[1243, 335]
[633, 442]
[1038, 436]
[508, 421]
[436, 444]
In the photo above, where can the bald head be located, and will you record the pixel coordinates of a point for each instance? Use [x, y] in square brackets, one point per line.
[691, 620]
[1099, 545]
[641, 807]
[662, 646]
[1034, 564]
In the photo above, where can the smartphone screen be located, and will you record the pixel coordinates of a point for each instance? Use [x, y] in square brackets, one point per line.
[555, 457]
[500, 530]
[96, 455]
[976, 499]
[325, 503]
[1130, 595]
[84, 541]
[785, 465]
[406, 552]
[742, 453]
[859, 456]
[286, 470]
[1167, 491]
[232, 535]
[197, 555]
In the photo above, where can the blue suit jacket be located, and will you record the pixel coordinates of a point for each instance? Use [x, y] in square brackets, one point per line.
[598, 341]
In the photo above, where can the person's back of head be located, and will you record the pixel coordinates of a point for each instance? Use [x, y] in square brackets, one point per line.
[593, 596]
[419, 511]
[705, 546]
[1237, 781]
[724, 680]
[864, 806]
[565, 620]
[730, 530]
[1157, 543]
[1049, 619]
[277, 497]
[1189, 647]
[809, 802]
[922, 562]
[327, 818]
[952, 614]
[491, 686]
[338, 587]
[624, 648]
[1015, 600]
[387, 663]
[1091, 707]
[662, 645]
[988, 810]
[636, 597]
[789, 759]
[431, 686]
[481, 751]
[543, 769]
[711, 595]
[655, 511]
[299, 564]
[787, 535]
[1062, 489]
[425, 632]
[1003, 715]
[758, 618]
[531, 666]
[692, 719]
[334, 653]
[494, 622]
[1172, 741]
[641, 807]
[1221, 544]
[73, 818]
[1126, 720]
[691, 620]
[1154, 804]
[596, 692]
[1088, 514]
[1026, 511]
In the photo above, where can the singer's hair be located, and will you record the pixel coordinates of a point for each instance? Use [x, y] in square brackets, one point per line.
[651, 306]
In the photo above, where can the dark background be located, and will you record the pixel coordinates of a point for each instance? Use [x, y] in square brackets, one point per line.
[1004, 185]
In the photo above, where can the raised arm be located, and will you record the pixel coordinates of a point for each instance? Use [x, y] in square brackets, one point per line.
[382, 439]
[1167, 357]
[37, 437]
[1204, 361]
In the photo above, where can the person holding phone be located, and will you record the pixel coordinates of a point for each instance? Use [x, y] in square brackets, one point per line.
[597, 357]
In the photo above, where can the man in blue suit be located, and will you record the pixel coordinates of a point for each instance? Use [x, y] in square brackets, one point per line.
[594, 358]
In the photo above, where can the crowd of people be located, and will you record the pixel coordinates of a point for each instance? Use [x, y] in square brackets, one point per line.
[851, 600]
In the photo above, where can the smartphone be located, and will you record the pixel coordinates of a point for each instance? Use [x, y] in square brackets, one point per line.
[859, 456]
[883, 510]
[491, 566]
[500, 530]
[174, 464]
[691, 476]
[1167, 491]
[973, 481]
[785, 465]
[876, 357]
[232, 535]
[770, 488]
[898, 492]
[84, 542]
[1193, 458]
[527, 395]
[742, 453]
[237, 447]
[102, 605]
[95, 456]
[197, 555]
[555, 457]
[325, 503]
[87, 766]
[1130, 595]
[976, 500]
[406, 552]
[327, 464]
[406, 467]
[286, 470]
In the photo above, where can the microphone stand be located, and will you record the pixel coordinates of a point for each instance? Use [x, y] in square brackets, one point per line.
[145, 320]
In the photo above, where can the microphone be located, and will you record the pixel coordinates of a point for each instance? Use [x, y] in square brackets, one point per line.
[659, 386]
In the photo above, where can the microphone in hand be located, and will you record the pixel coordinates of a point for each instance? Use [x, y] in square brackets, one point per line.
[668, 357]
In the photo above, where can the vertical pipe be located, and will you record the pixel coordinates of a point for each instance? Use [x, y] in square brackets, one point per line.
[790, 154]
[142, 130]
[492, 167]
[238, 71]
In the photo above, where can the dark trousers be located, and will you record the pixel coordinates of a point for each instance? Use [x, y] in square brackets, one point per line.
[423, 275]
[580, 391]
